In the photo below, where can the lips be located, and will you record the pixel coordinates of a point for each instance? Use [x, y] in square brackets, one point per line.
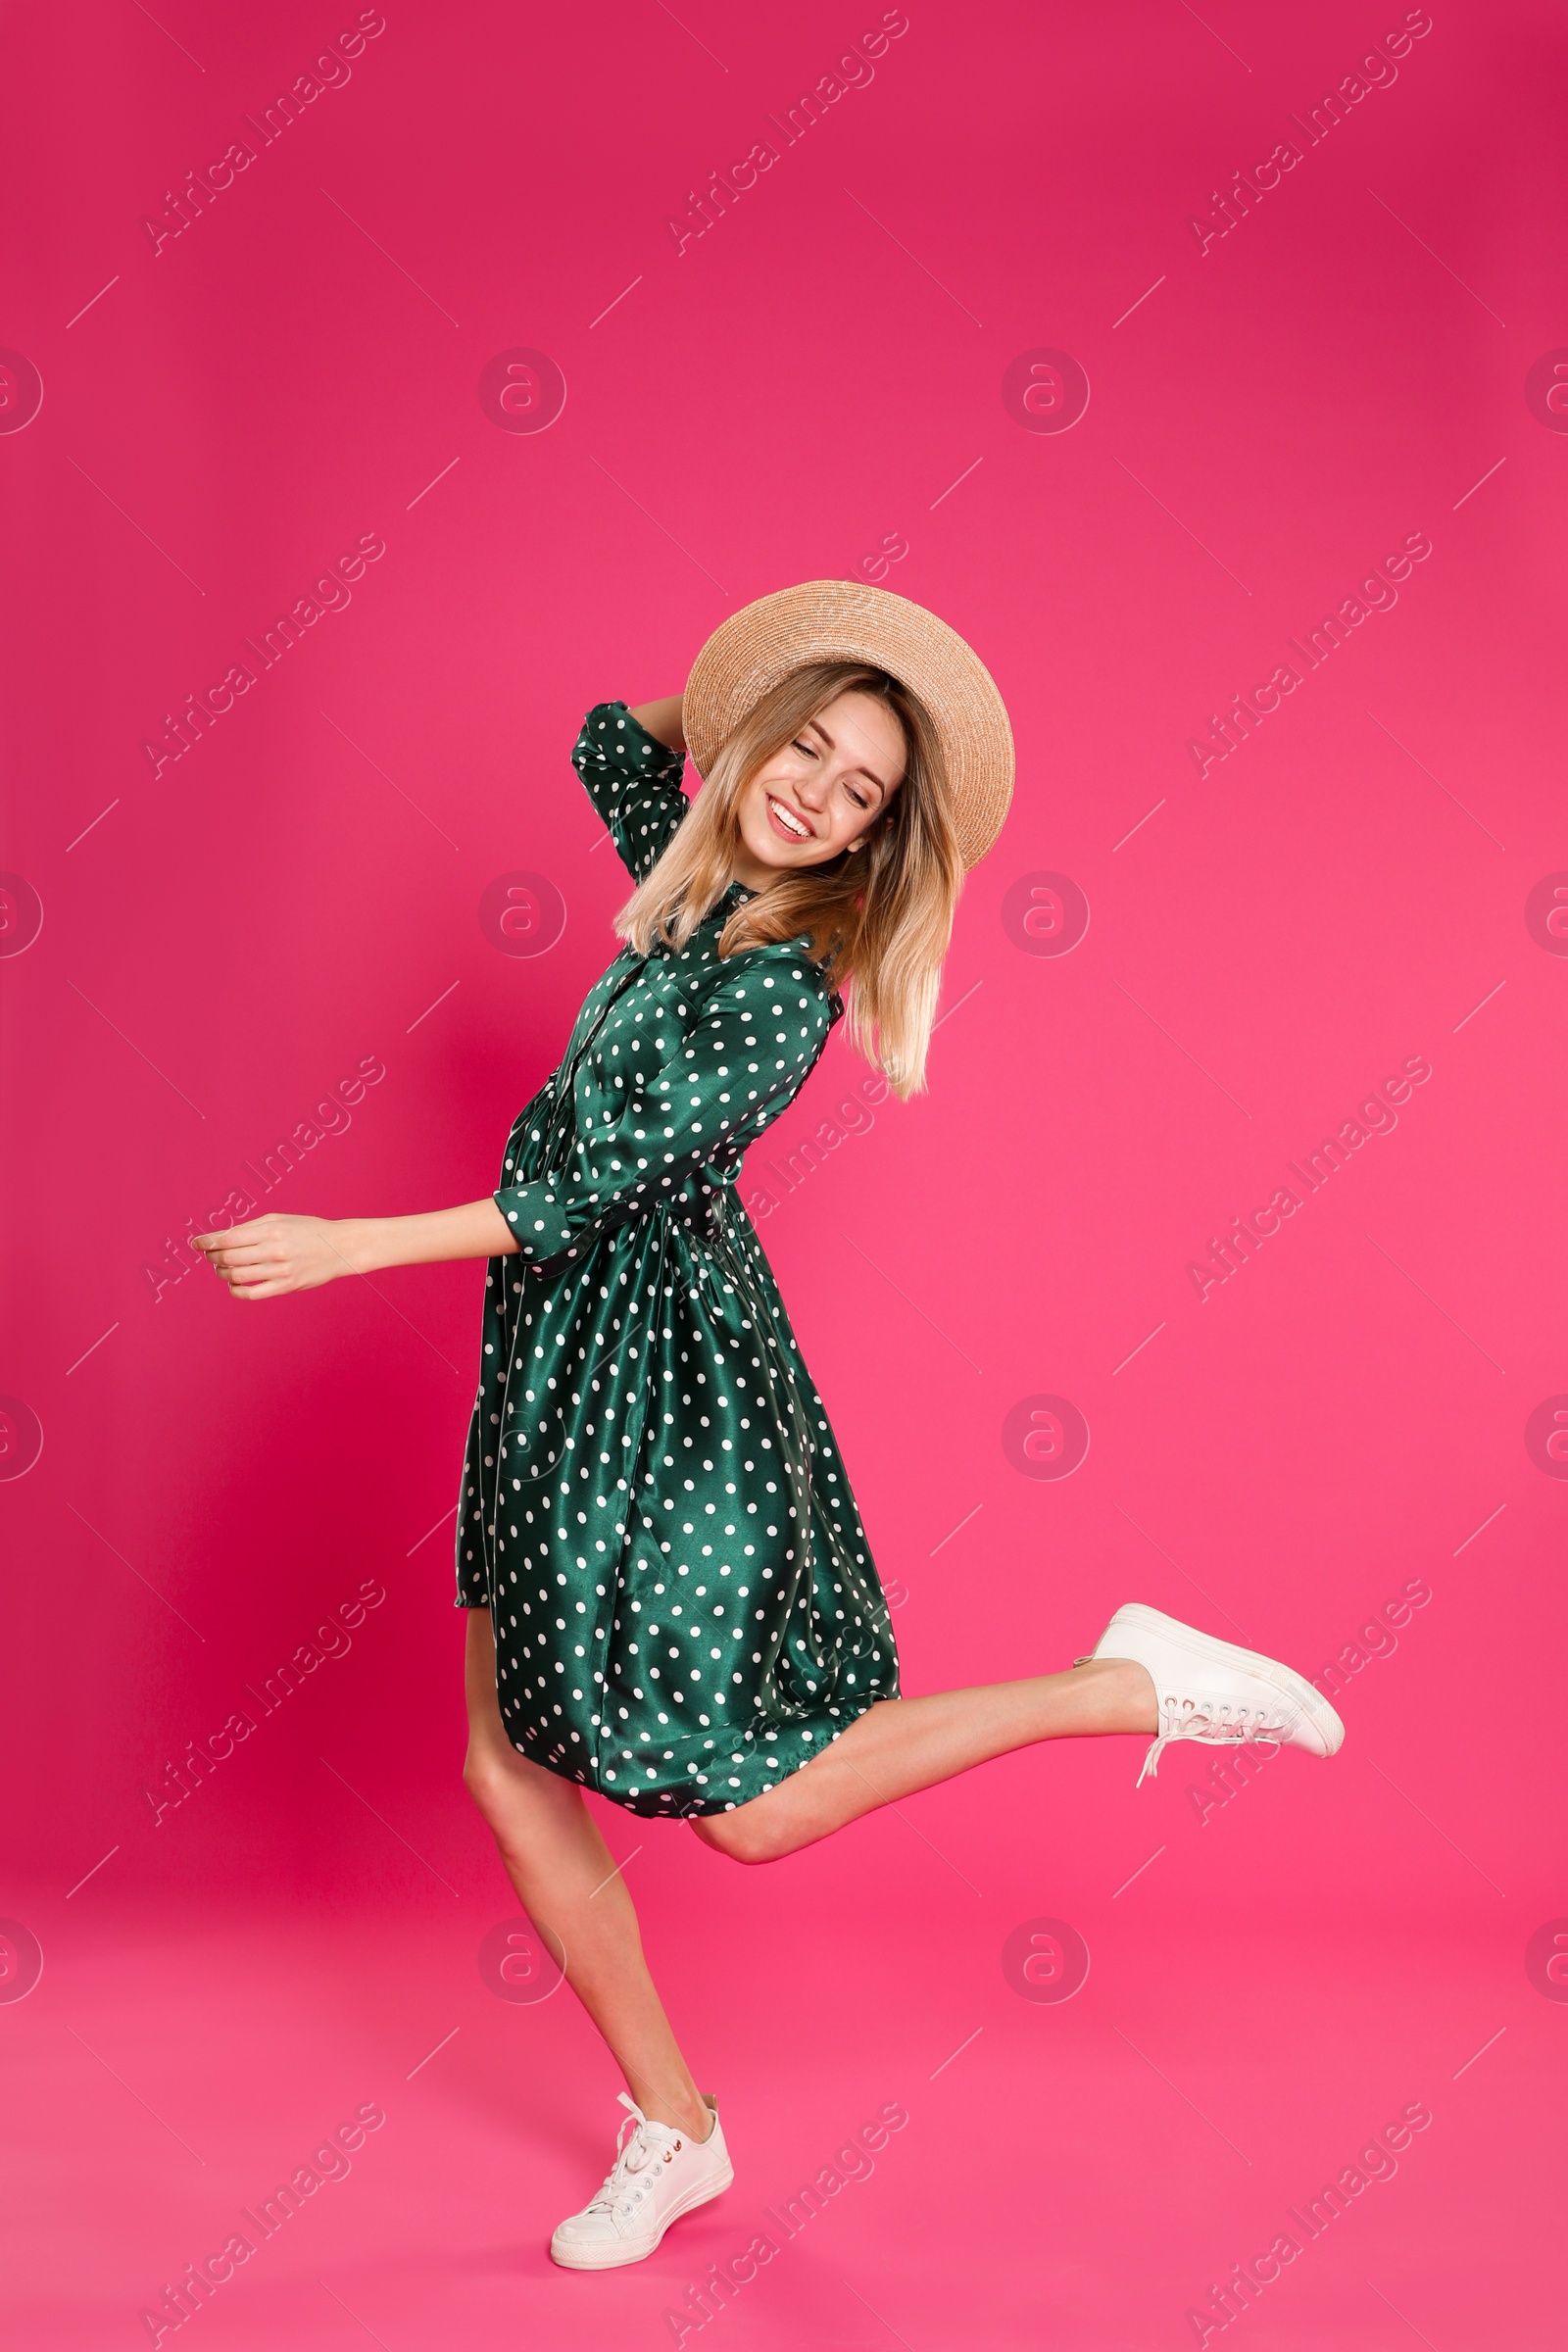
[785, 821]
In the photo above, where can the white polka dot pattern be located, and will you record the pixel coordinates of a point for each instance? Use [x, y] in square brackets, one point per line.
[654, 1509]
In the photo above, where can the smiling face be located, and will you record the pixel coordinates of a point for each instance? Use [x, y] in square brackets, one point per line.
[822, 791]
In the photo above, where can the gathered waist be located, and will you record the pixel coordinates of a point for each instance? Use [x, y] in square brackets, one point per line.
[706, 1206]
[708, 1211]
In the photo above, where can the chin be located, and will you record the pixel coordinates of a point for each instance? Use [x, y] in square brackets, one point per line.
[769, 852]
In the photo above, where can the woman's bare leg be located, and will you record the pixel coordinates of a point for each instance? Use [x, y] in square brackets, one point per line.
[901, 1745]
[567, 1881]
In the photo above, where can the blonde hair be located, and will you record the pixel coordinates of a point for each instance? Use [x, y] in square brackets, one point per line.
[879, 916]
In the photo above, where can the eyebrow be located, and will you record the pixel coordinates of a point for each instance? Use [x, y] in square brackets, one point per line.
[862, 769]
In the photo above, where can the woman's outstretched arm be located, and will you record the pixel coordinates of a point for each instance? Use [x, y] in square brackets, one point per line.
[275, 1253]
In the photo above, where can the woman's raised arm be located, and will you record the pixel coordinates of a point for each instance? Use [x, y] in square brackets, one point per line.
[273, 1254]
[662, 721]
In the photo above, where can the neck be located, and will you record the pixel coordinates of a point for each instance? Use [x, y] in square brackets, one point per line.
[743, 867]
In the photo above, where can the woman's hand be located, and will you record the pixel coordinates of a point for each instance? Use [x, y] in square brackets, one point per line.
[275, 1253]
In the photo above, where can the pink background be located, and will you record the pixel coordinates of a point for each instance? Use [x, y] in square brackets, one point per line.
[794, 393]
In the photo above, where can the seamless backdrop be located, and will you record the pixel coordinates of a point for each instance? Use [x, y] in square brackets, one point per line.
[378, 391]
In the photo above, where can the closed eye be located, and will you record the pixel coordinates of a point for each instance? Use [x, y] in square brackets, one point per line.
[862, 800]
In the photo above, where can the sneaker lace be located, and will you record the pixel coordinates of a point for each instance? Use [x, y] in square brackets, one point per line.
[1218, 1721]
[632, 2156]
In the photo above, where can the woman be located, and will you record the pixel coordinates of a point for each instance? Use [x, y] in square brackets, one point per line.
[671, 1595]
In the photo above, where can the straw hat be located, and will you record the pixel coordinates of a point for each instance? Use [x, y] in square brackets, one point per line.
[842, 620]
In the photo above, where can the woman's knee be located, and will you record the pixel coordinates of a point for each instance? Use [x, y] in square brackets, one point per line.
[489, 1780]
[530, 1811]
[742, 1836]
[503, 1784]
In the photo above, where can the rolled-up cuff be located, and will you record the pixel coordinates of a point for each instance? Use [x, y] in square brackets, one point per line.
[548, 1230]
[537, 1218]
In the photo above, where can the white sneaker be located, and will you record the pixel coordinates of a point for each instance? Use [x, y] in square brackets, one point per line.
[1208, 1690]
[659, 2174]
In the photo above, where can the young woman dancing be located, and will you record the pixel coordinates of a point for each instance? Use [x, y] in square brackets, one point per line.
[671, 1595]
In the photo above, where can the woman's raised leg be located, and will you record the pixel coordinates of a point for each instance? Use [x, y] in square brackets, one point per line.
[901, 1745]
[567, 1881]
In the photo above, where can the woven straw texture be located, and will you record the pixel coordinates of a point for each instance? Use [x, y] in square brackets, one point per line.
[842, 620]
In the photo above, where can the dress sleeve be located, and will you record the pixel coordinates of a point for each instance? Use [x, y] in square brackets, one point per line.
[633, 781]
[755, 1040]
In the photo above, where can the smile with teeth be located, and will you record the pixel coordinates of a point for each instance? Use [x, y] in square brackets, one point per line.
[787, 822]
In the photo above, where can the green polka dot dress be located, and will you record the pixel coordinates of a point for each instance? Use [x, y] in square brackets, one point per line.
[654, 1509]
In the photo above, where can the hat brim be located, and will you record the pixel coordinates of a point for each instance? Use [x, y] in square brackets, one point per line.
[842, 620]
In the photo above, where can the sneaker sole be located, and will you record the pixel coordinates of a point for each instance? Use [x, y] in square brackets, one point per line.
[1311, 1702]
[615, 2258]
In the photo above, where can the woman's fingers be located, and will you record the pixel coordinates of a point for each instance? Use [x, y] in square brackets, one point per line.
[250, 1269]
[254, 1228]
[261, 1282]
[252, 1259]
[269, 1254]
